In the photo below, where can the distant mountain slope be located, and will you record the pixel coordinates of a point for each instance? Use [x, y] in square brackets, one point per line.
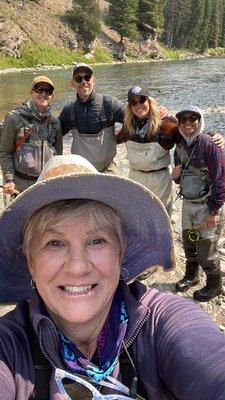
[44, 21]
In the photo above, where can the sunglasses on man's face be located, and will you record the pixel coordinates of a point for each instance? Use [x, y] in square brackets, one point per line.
[191, 118]
[80, 78]
[40, 90]
[141, 100]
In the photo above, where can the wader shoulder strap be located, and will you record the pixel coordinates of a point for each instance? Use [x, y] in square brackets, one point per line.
[104, 119]
[19, 114]
[42, 366]
[128, 373]
[185, 159]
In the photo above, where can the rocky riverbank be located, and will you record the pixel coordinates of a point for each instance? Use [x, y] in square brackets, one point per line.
[165, 281]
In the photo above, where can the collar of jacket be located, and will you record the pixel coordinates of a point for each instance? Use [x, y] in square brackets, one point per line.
[89, 100]
[47, 334]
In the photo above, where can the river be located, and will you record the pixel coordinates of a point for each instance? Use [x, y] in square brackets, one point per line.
[175, 84]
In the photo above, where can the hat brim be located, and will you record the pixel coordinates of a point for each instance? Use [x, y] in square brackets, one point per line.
[137, 95]
[185, 111]
[148, 231]
[88, 69]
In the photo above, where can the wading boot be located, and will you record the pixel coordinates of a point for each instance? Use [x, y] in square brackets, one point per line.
[212, 289]
[190, 278]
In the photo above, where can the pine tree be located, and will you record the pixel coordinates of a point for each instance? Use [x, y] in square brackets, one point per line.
[85, 18]
[183, 20]
[223, 27]
[122, 17]
[151, 12]
[216, 24]
[204, 29]
[195, 22]
[172, 17]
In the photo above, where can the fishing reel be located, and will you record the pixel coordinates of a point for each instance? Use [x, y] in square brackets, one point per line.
[194, 235]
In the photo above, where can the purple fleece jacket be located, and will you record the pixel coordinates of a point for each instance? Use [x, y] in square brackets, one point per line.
[175, 346]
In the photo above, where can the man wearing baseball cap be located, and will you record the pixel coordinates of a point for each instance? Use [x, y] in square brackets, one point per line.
[29, 137]
[91, 118]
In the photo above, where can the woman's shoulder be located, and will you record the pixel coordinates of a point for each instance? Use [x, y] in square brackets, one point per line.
[167, 305]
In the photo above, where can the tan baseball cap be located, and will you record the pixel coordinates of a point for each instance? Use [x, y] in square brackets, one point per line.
[41, 79]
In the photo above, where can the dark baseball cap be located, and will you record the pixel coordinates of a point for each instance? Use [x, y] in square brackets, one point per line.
[76, 67]
[137, 91]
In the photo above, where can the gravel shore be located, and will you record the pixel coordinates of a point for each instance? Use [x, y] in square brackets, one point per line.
[165, 281]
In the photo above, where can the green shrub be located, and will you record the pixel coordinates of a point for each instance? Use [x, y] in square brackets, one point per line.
[102, 56]
[173, 54]
[218, 51]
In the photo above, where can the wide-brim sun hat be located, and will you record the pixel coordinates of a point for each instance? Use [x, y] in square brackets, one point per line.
[148, 231]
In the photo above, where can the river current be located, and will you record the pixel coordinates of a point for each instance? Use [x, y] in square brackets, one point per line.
[174, 84]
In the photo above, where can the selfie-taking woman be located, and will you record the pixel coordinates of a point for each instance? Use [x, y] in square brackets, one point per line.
[79, 237]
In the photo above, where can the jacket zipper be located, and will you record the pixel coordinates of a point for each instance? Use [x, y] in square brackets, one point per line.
[136, 332]
[44, 351]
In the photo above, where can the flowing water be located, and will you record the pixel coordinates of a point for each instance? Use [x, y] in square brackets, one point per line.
[175, 84]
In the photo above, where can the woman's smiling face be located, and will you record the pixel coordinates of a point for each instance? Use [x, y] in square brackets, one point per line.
[140, 106]
[189, 123]
[76, 270]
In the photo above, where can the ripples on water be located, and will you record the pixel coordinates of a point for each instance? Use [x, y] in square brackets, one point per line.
[175, 84]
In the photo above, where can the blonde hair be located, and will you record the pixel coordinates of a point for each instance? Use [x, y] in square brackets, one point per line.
[99, 215]
[154, 118]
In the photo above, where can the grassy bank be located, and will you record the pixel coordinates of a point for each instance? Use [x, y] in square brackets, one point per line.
[33, 55]
[43, 54]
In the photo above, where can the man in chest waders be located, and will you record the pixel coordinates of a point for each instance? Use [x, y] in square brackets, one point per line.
[91, 118]
[30, 136]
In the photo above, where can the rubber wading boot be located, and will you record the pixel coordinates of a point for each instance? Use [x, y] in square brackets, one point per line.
[185, 284]
[212, 289]
[190, 278]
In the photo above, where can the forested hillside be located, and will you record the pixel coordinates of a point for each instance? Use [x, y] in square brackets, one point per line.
[52, 31]
[194, 24]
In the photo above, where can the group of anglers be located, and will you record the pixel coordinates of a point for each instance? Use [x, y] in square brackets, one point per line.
[31, 135]
[75, 239]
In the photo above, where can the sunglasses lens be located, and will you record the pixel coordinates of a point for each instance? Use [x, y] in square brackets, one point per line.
[193, 118]
[132, 102]
[142, 99]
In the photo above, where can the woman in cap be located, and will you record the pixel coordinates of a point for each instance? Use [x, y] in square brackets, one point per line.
[74, 236]
[30, 135]
[148, 161]
[200, 172]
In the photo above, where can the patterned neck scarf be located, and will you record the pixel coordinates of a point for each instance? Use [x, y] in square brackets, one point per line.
[109, 344]
[142, 127]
